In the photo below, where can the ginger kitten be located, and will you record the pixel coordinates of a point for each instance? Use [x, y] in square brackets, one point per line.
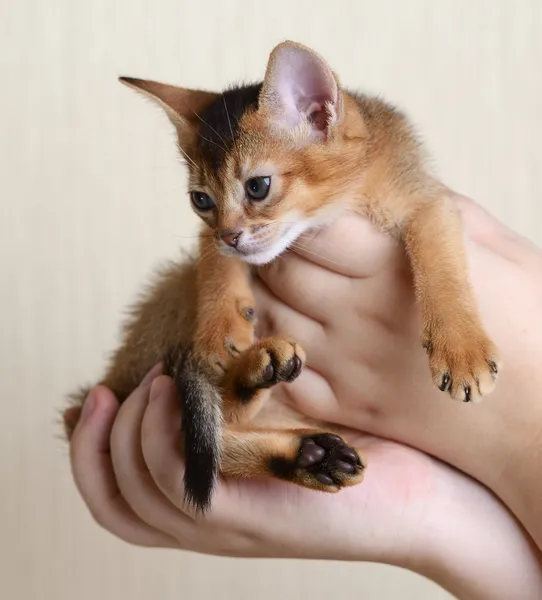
[267, 162]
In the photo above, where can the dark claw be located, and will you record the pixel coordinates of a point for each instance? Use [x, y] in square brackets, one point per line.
[344, 466]
[298, 365]
[446, 382]
[468, 393]
[269, 373]
[292, 368]
[289, 368]
[233, 350]
[325, 479]
[493, 367]
[350, 454]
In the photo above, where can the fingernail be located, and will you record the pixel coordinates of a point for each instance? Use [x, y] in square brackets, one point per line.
[157, 389]
[152, 374]
[88, 406]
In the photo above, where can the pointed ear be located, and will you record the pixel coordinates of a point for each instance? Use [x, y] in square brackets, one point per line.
[300, 88]
[181, 105]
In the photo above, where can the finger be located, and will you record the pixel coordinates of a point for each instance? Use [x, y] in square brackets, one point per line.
[485, 230]
[133, 478]
[160, 441]
[161, 444]
[94, 476]
[350, 246]
[161, 450]
[276, 317]
[213, 534]
[307, 288]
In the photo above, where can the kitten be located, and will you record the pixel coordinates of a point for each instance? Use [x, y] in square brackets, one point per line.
[267, 162]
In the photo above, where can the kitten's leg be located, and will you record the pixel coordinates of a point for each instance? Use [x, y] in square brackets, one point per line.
[246, 384]
[225, 307]
[223, 339]
[311, 458]
[462, 358]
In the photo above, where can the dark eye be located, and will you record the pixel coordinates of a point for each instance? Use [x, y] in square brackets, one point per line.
[201, 200]
[257, 188]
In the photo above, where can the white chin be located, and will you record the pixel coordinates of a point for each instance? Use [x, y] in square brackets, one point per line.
[269, 254]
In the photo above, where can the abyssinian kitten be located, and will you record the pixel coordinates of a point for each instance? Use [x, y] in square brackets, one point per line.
[266, 163]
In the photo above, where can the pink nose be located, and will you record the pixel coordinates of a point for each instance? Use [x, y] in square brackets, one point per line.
[231, 237]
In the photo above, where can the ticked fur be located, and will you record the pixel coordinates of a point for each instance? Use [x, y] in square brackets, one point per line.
[267, 162]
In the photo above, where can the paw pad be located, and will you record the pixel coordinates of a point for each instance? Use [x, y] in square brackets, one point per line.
[328, 459]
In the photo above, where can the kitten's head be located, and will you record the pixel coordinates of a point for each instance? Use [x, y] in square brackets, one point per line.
[265, 161]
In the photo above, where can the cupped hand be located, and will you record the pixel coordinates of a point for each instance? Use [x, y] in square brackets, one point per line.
[411, 510]
[346, 295]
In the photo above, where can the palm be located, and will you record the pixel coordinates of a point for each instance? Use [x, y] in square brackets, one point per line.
[294, 521]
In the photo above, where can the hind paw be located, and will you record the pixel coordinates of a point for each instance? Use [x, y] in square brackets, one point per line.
[322, 461]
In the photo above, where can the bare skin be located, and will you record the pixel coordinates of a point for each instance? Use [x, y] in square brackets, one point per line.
[377, 373]
[411, 510]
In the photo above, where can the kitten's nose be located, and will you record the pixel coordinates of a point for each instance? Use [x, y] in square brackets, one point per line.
[231, 237]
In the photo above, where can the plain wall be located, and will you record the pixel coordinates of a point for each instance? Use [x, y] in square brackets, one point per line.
[92, 196]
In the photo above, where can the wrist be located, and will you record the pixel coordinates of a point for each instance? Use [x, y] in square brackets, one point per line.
[521, 487]
[474, 547]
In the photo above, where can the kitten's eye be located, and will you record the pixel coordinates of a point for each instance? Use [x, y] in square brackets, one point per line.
[201, 200]
[257, 188]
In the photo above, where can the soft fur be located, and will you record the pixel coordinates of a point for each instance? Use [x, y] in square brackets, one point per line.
[324, 150]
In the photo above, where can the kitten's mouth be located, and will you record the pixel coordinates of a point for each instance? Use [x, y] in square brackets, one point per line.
[258, 255]
[266, 251]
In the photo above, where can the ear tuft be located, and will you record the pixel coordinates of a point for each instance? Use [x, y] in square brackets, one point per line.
[181, 105]
[129, 80]
[300, 88]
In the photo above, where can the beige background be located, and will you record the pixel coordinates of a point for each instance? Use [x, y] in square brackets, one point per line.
[92, 196]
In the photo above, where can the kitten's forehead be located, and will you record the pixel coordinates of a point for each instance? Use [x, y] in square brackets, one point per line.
[235, 143]
[220, 126]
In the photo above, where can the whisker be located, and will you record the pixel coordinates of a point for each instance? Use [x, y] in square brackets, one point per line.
[324, 244]
[207, 251]
[227, 115]
[188, 158]
[214, 143]
[204, 253]
[189, 237]
[299, 246]
[209, 126]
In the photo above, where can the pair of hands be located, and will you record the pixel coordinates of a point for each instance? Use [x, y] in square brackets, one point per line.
[345, 294]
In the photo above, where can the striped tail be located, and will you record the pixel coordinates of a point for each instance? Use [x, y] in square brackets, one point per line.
[202, 425]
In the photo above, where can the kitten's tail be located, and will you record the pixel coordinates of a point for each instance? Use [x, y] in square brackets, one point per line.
[202, 425]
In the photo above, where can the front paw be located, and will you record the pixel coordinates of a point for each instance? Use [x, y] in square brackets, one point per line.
[271, 361]
[466, 365]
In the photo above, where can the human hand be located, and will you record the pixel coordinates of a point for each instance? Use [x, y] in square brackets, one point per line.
[356, 317]
[411, 510]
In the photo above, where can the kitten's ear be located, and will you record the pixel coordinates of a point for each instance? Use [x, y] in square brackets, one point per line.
[299, 87]
[181, 105]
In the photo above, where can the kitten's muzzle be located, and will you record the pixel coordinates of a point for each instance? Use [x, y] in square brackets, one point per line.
[231, 238]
